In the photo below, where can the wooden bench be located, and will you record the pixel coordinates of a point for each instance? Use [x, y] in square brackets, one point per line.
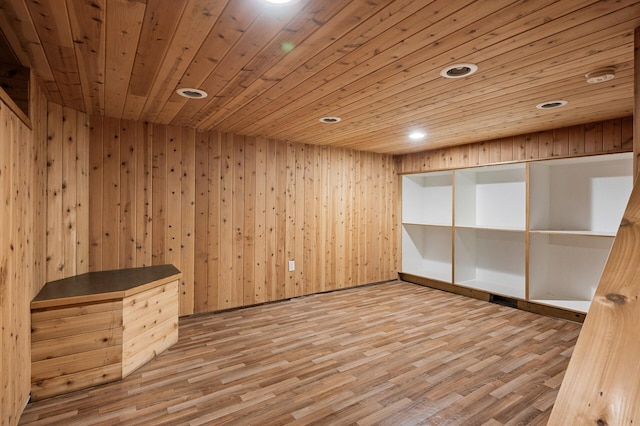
[99, 327]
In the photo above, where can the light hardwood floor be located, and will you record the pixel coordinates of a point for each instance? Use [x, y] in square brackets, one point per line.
[393, 353]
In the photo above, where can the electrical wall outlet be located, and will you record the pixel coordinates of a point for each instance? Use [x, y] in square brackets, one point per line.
[292, 265]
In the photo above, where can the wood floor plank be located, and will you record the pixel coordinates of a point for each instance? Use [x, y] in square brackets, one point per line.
[392, 353]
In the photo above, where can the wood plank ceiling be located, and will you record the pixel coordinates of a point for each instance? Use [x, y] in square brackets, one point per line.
[274, 70]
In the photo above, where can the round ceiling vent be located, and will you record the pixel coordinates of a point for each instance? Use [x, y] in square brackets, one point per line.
[330, 120]
[552, 104]
[192, 93]
[459, 70]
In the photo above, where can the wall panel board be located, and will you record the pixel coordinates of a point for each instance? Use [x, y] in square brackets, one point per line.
[232, 211]
[587, 139]
[23, 242]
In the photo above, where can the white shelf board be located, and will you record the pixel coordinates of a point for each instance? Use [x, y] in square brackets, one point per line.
[515, 290]
[485, 228]
[573, 305]
[436, 225]
[573, 232]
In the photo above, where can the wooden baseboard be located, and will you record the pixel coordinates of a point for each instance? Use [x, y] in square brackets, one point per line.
[524, 305]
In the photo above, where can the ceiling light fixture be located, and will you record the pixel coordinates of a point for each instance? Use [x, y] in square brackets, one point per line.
[417, 135]
[278, 1]
[600, 75]
[552, 104]
[330, 120]
[459, 70]
[192, 93]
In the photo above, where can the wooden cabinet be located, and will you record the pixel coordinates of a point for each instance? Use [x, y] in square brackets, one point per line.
[539, 231]
[99, 327]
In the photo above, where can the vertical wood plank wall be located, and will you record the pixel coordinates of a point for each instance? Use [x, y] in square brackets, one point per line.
[231, 211]
[588, 139]
[22, 248]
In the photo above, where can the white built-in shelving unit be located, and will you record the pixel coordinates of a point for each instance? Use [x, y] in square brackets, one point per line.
[576, 208]
[427, 217]
[474, 227]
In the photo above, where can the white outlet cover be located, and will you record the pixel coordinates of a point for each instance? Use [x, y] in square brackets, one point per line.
[292, 265]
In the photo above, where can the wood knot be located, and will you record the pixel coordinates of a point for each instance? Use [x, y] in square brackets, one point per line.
[625, 222]
[601, 422]
[618, 299]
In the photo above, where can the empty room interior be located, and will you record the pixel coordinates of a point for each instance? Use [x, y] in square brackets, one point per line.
[329, 212]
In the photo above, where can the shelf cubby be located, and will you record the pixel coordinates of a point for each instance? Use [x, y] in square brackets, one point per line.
[580, 195]
[565, 269]
[491, 260]
[427, 251]
[492, 197]
[427, 198]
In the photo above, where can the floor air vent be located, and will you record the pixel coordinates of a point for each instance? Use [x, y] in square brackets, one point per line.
[504, 301]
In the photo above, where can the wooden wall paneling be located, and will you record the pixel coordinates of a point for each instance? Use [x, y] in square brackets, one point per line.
[391, 239]
[236, 220]
[111, 194]
[270, 222]
[519, 148]
[358, 219]
[159, 194]
[23, 240]
[225, 269]
[173, 253]
[560, 143]
[96, 186]
[17, 271]
[636, 102]
[593, 138]
[260, 223]
[310, 222]
[311, 225]
[237, 181]
[213, 226]
[143, 197]
[290, 225]
[626, 134]
[187, 226]
[6, 298]
[82, 193]
[55, 252]
[575, 140]
[69, 194]
[352, 218]
[281, 220]
[339, 219]
[201, 225]
[299, 220]
[237, 147]
[39, 190]
[532, 146]
[128, 213]
[249, 219]
[612, 135]
[324, 221]
[506, 150]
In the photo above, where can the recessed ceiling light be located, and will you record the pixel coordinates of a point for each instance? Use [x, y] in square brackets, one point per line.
[278, 1]
[330, 120]
[600, 75]
[417, 135]
[552, 104]
[459, 70]
[192, 93]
